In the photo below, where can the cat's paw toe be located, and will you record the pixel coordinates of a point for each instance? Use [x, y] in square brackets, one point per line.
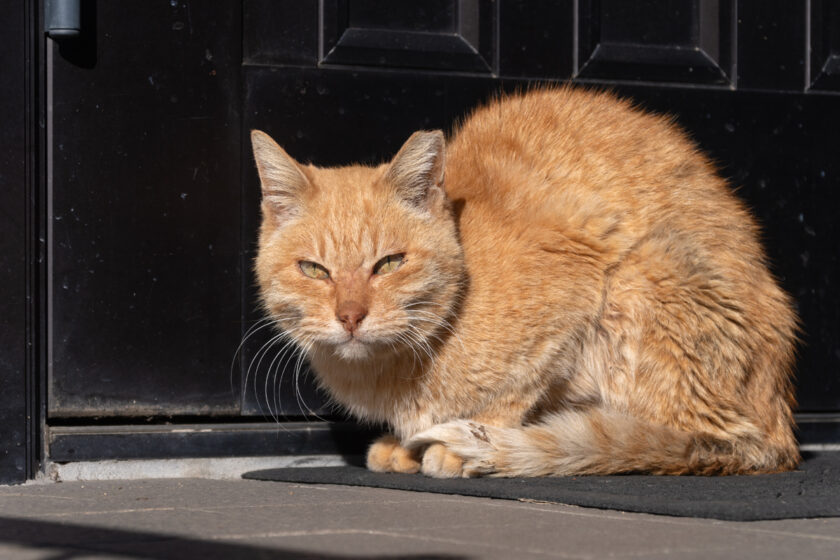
[439, 462]
[387, 455]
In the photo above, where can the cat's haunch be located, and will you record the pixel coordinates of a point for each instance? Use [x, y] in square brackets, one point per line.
[565, 286]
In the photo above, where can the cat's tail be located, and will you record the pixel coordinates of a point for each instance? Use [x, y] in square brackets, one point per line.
[602, 442]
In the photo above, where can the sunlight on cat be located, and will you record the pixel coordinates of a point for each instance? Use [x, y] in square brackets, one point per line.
[563, 286]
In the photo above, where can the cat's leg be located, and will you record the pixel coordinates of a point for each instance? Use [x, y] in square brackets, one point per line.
[387, 455]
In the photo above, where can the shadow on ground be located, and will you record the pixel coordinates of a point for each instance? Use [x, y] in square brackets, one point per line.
[67, 541]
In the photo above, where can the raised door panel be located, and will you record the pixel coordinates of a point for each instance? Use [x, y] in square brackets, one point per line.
[432, 34]
[687, 41]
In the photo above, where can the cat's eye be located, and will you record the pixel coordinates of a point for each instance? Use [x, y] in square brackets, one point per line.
[388, 264]
[313, 270]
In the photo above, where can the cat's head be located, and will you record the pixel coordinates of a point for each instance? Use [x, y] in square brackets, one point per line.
[358, 261]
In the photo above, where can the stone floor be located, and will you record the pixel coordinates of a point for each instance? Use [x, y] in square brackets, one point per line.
[208, 519]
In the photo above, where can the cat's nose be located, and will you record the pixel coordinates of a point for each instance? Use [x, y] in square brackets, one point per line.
[351, 313]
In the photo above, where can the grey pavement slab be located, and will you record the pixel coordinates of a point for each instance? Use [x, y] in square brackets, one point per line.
[207, 519]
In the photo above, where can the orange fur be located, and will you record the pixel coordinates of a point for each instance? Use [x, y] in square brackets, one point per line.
[579, 293]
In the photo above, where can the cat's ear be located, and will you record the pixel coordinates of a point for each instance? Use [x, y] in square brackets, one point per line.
[282, 180]
[416, 172]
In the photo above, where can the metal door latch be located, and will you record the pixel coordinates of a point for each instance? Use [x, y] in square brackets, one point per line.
[63, 19]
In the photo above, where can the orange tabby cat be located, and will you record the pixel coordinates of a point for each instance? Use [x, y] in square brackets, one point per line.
[564, 287]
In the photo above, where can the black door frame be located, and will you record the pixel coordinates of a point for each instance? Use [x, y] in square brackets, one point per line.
[22, 242]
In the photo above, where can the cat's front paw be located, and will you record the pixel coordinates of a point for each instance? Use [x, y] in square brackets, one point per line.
[461, 448]
[387, 455]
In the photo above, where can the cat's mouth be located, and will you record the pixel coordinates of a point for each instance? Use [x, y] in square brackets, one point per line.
[363, 346]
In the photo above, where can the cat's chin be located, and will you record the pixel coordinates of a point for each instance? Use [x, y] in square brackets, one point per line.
[354, 350]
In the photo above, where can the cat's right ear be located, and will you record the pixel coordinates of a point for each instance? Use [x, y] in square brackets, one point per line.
[282, 180]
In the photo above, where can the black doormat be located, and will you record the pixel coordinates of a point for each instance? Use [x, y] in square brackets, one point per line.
[811, 491]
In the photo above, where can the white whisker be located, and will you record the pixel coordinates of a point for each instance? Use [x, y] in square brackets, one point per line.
[258, 357]
[438, 321]
[284, 359]
[252, 330]
[422, 342]
[298, 395]
[279, 360]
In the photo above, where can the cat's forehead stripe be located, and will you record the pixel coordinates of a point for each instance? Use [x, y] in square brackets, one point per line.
[351, 219]
[348, 248]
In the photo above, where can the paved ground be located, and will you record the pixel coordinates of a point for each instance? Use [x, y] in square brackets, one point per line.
[208, 519]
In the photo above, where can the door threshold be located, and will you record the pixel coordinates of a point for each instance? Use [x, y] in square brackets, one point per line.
[224, 468]
[73, 444]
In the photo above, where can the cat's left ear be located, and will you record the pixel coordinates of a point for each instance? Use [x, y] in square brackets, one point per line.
[416, 172]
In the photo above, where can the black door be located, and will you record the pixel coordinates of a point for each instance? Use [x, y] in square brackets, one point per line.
[153, 198]
[143, 142]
